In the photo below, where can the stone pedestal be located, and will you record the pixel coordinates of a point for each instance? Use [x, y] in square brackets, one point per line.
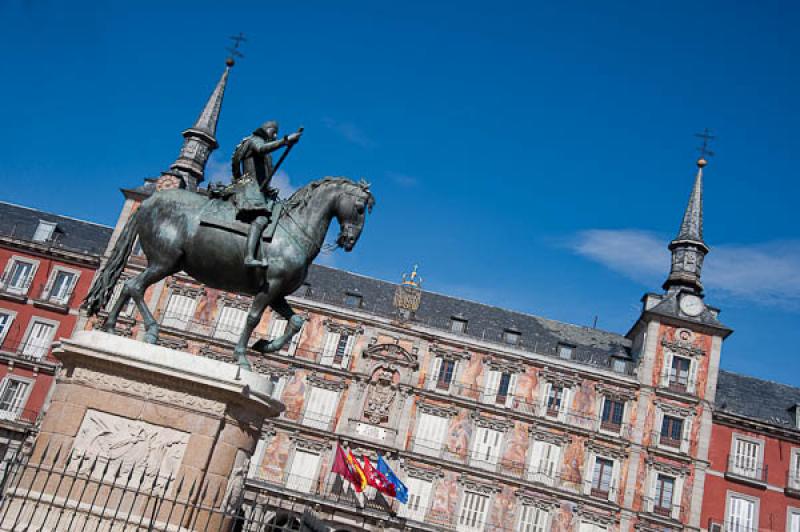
[139, 433]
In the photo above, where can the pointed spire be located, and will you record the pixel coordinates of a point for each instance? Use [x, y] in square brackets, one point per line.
[688, 248]
[199, 140]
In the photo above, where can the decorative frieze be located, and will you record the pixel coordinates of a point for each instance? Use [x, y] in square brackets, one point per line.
[183, 289]
[620, 394]
[478, 487]
[392, 354]
[560, 378]
[436, 410]
[315, 379]
[447, 354]
[536, 500]
[673, 409]
[423, 473]
[341, 328]
[234, 301]
[503, 366]
[602, 450]
[547, 436]
[306, 443]
[501, 425]
[670, 469]
[682, 344]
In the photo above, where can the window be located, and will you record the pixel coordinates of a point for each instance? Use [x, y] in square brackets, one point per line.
[18, 276]
[499, 387]
[532, 519]
[60, 287]
[180, 311]
[337, 349]
[794, 466]
[486, 448]
[745, 458]
[37, 342]
[430, 434]
[303, 472]
[305, 290]
[511, 337]
[565, 351]
[6, 319]
[442, 372]
[679, 373]
[44, 231]
[230, 323]
[612, 415]
[556, 401]
[320, 408]
[664, 491]
[602, 475]
[741, 514]
[671, 431]
[13, 393]
[586, 526]
[458, 325]
[793, 520]
[619, 365]
[544, 462]
[472, 516]
[353, 300]
[419, 493]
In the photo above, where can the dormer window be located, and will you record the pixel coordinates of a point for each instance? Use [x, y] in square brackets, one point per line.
[565, 351]
[305, 290]
[458, 325]
[44, 231]
[353, 300]
[511, 337]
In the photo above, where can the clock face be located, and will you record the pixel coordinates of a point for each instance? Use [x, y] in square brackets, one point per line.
[692, 305]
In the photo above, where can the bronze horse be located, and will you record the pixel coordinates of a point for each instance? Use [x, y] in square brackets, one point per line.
[182, 230]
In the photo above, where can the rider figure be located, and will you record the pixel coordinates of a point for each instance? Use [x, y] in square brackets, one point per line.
[252, 172]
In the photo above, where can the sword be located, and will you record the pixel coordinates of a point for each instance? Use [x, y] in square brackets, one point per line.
[278, 165]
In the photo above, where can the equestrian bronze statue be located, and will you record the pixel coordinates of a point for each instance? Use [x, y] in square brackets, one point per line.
[206, 237]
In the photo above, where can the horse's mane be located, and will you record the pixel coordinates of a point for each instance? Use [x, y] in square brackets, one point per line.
[301, 196]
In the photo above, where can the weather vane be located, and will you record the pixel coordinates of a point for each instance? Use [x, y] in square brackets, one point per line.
[234, 50]
[707, 138]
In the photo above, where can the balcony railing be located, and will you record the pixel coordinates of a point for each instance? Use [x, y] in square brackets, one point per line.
[678, 384]
[28, 350]
[745, 468]
[18, 288]
[599, 490]
[665, 441]
[20, 415]
[663, 508]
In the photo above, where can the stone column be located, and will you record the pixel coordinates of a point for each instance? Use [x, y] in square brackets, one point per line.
[140, 433]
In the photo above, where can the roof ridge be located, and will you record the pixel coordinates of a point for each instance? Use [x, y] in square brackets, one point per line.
[57, 215]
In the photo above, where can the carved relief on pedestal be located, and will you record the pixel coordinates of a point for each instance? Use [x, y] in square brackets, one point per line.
[154, 453]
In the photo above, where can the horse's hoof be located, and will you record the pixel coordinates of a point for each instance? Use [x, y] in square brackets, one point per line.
[244, 363]
[151, 338]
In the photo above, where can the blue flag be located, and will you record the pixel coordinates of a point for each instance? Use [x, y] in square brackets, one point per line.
[399, 487]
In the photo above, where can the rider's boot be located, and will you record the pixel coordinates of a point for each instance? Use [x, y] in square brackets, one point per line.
[253, 236]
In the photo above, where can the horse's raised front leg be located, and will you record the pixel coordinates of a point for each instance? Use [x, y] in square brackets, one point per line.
[293, 326]
[260, 302]
[136, 287]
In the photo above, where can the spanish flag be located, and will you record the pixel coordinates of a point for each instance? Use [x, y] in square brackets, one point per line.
[360, 480]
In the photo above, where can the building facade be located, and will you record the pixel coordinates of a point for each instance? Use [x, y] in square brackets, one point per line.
[48, 263]
[754, 474]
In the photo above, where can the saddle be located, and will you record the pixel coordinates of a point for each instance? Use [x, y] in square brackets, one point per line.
[233, 225]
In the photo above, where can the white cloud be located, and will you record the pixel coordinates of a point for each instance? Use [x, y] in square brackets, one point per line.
[404, 180]
[350, 132]
[282, 182]
[765, 273]
[218, 171]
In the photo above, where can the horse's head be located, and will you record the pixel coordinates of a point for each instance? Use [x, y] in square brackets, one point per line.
[352, 205]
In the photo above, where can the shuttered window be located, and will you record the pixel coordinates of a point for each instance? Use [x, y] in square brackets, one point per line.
[419, 494]
[746, 458]
[794, 468]
[276, 328]
[794, 521]
[180, 311]
[13, 393]
[230, 323]
[664, 492]
[18, 276]
[741, 515]
[303, 472]
[430, 434]
[486, 447]
[40, 335]
[6, 318]
[544, 461]
[601, 476]
[586, 526]
[474, 507]
[320, 408]
[533, 519]
[612, 415]
[337, 349]
[499, 388]
[61, 285]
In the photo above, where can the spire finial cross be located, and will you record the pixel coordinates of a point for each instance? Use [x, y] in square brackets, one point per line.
[237, 41]
[707, 138]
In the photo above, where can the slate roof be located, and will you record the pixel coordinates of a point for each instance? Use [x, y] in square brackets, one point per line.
[758, 399]
[70, 234]
[540, 335]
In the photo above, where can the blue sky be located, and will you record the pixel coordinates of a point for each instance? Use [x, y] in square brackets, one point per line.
[532, 156]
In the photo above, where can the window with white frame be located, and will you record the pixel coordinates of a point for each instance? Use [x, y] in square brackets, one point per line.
[458, 325]
[230, 323]
[673, 429]
[320, 407]
[555, 400]
[179, 312]
[13, 394]
[38, 339]
[474, 509]
[337, 348]
[443, 370]
[741, 514]
[499, 387]
[665, 494]
[746, 457]
[6, 319]
[486, 447]
[419, 494]
[588, 526]
[277, 327]
[679, 373]
[512, 337]
[604, 473]
[612, 414]
[429, 438]
[18, 275]
[44, 231]
[565, 351]
[794, 469]
[544, 461]
[303, 471]
[60, 286]
[533, 519]
[793, 520]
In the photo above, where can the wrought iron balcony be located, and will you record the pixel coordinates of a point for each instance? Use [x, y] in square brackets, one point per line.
[746, 469]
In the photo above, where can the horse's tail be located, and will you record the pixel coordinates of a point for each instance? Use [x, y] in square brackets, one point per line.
[103, 285]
